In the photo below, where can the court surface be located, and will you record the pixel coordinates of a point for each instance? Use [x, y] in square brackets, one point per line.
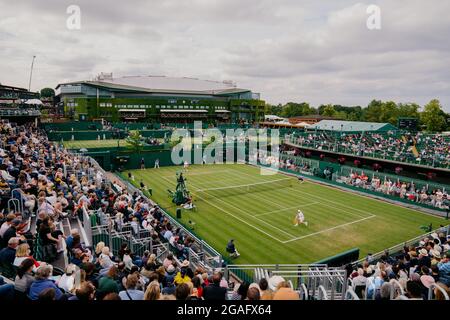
[236, 201]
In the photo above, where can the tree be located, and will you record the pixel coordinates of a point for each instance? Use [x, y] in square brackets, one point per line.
[388, 112]
[134, 141]
[274, 109]
[292, 109]
[329, 111]
[433, 117]
[373, 110]
[47, 93]
[408, 110]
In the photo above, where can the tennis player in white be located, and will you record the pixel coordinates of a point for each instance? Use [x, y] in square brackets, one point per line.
[300, 218]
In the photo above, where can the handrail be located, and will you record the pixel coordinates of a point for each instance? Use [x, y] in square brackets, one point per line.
[331, 150]
[202, 243]
[395, 284]
[305, 291]
[322, 293]
[399, 247]
[442, 290]
[352, 293]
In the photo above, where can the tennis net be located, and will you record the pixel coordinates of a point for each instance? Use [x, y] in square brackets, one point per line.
[221, 192]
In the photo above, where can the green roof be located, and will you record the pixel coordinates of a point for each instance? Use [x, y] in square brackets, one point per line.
[351, 126]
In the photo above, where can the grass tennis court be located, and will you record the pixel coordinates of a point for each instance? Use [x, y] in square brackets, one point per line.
[261, 219]
[78, 144]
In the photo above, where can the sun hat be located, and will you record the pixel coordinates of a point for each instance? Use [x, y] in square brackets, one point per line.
[415, 276]
[185, 263]
[423, 252]
[170, 269]
[435, 254]
[427, 280]
[274, 281]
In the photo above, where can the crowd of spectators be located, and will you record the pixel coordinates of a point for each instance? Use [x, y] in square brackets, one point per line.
[408, 275]
[54, 185]
[425, 149]
[438, 198]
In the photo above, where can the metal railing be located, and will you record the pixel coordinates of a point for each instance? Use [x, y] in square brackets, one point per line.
[311, 281]
[206, 256]
[336, 147]
[399, 247]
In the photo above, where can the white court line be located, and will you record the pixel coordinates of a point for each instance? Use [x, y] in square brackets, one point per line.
[229, 213]
[320, 198]
[262, 198]
[247, 223]
[329, 201]
[329, 229]
[200, 173]
[248, 213]
[289, 208]
[271, 236]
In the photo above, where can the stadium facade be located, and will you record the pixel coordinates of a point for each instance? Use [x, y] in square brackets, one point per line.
[159, 99]
[18, 104]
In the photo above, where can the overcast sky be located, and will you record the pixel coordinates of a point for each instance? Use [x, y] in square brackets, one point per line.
[288, 50]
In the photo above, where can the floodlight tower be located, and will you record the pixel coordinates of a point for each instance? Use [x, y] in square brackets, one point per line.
[31, 73]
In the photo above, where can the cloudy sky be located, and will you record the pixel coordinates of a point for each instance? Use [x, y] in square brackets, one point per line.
[288, 50]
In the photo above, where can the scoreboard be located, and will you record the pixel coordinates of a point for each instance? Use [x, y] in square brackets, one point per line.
[408, 123]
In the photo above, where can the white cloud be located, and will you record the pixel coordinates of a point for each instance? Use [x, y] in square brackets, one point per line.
[316, 51]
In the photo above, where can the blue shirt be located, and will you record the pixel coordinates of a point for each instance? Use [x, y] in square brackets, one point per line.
[134, 294]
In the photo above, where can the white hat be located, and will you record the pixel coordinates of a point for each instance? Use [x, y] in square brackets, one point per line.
[435, 254]
[274, 281]
[185, 263]
[423, 252]
[427, 280]
[434, 235]
[170, 268]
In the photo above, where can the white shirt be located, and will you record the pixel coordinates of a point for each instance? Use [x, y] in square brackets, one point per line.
[5, 226]
[66, 282]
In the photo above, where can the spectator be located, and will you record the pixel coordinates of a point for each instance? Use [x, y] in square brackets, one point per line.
[23, 253]
[241, 293]
[8, 254]
[253, 294]
[111, 296]
[48, 294]
[130, 291]
[413, 291]
[182, 276]
[182, 291]
[444, 269]
[214, 291]
[153, 292]
[67, 281]
[43, 282]
[24, 277]
[385, 291]
[108, 284]
[285, 292]
[6, 290]
[11, 232]
[266, 293]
